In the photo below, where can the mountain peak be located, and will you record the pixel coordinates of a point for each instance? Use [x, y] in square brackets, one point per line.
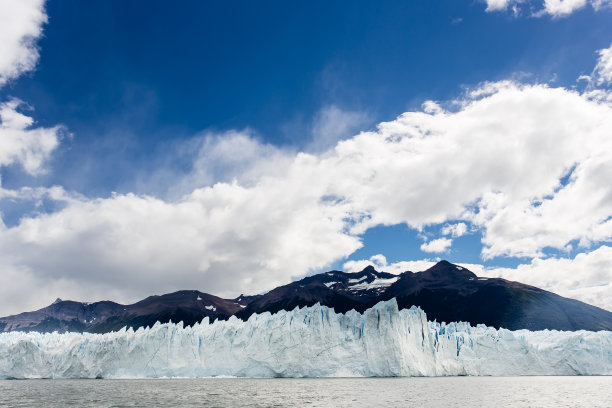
[448, 269]
[369, 268]
[58, 300]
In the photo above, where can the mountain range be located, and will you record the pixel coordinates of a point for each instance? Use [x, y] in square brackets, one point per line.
[446, 292]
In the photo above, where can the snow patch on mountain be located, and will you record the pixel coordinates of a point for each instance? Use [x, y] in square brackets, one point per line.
[351, 281]
[375, 284]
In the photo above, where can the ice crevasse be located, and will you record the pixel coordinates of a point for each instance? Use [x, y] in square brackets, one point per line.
[308, 342]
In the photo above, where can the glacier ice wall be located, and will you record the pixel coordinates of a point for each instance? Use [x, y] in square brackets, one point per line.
[308, 342]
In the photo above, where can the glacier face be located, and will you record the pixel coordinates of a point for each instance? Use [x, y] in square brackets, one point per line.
[309, 342]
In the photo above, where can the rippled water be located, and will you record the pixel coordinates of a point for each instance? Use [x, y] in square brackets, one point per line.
[336, 392]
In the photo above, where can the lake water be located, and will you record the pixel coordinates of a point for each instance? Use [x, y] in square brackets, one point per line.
[335, 392]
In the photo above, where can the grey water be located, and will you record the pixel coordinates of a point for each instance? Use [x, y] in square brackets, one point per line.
[329, 392]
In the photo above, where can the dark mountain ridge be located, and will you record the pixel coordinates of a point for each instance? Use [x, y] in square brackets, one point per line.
[188, 306]
[446, 292]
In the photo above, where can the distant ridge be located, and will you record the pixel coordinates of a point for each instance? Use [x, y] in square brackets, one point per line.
[446, 292]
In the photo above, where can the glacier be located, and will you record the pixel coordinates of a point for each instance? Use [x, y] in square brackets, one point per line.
[308, 342]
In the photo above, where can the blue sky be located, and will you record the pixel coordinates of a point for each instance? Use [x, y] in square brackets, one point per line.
[150, 108]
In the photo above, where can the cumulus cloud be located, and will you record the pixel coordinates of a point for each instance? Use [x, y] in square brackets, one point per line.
[563, 7]
[603, 70]
[553, 8]
[455, 230]
[504, 156]
[497, 5]
[21, 24]
[437, 245]
[21, 142]
[586, 277]
[514, 6]
[223, 239]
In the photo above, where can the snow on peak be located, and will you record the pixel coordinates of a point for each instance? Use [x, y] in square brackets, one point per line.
[210, 307]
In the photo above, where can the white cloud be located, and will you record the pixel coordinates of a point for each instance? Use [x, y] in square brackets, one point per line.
[514, 6]
[437, 245]
[498, 5]
[559, 8]
[22, 143]
[586, 277]
[603, 70]
[503, 155]
[455, 230]
[20, 26]
[224, 239]
[553, 8]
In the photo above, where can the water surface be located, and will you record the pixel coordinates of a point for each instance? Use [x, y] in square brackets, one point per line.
[334, 392]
